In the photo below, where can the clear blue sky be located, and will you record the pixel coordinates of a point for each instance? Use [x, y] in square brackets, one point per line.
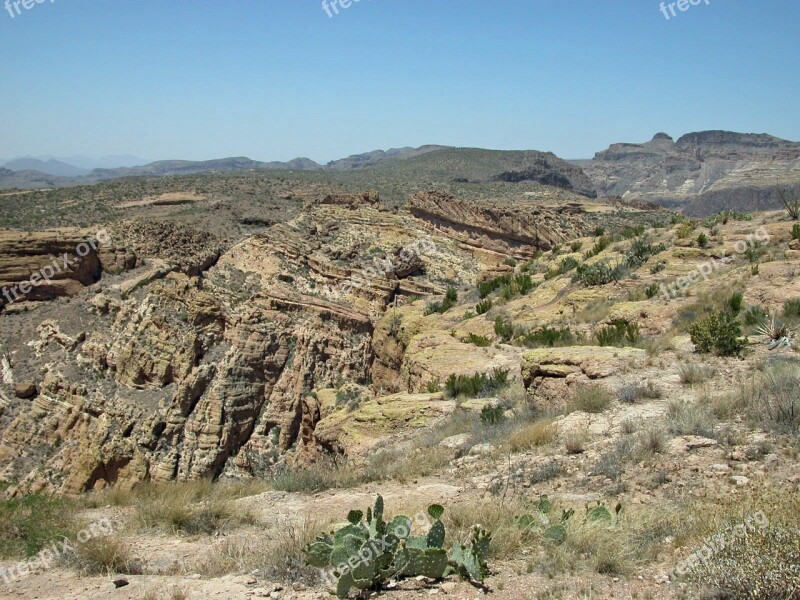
[275, 79]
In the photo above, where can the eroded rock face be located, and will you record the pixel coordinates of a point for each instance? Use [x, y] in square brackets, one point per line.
[190, 361]
[516, 230]
[702, 173]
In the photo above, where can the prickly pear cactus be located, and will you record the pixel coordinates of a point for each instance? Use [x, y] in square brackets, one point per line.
[368, 552]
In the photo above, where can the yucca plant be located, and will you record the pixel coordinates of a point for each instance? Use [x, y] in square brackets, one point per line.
[775, 333]
[791, 202]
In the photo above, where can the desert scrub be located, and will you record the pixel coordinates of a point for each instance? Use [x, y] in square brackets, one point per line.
[718, 333]
[477, 385]
[685, 418]
[545, 337]
[692, 374]
[450, 299]
[763, 564]
[590, 398]
[29, 523]
[773, 397]
[633, 392]
[620, 332]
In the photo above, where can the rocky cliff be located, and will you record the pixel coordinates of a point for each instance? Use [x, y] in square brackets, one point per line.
[700, 174]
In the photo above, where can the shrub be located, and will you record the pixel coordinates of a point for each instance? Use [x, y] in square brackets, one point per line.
[434, 386]
[736, 303]
[546, 336]
[796, 231]
[633, 392]
[761, 564]
[691, 374]
[492, 415]
[504, 328]
[565, 266]
[702, 241]
[599, 231]
[755, 315]
[718, 333]
[575, 443]
[791, 202]
[523, 283]
[651, 290]
[103, 555]
[487, 287]
[791, 309]
[29, 523]
[576, 246]
[685, 418]
[619, 333]
[590, 398]
[483, 306]
[599, 274]
[640, 252]
[478, 340]
[599, 246]
[510, 262]
[477, 385]
[773, 400]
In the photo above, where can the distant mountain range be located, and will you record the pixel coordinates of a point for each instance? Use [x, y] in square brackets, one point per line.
[701, 173]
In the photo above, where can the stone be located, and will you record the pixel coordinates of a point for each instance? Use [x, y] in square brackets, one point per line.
[457, 442]
[25, 390]
[740, 479]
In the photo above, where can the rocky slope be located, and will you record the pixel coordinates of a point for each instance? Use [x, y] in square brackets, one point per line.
[172, 357]
[701, 173]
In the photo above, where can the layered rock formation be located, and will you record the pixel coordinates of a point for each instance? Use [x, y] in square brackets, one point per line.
[702, 173]
[189, 360]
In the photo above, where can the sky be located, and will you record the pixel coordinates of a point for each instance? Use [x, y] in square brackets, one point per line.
[277, 79]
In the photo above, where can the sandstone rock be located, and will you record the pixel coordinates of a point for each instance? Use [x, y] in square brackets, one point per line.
[740, 479]
[25, 390]
[456, 442]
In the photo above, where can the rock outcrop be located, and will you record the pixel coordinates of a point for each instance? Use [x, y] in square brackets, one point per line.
[702, 173]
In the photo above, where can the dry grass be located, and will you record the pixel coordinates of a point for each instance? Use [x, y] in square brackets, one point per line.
[276, 554]
[532, 436]
[104, 555]
[591, 398]
[692, 374]
[198, 507]
[575, 442]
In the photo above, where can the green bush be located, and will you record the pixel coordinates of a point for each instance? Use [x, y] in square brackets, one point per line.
[477, 340]
[754, 315]
[796, 231]
[600, 245]
[736, 303]
[487, 287]
[29, 523]
[483, 306]
[718, 333]
[546, 336]
[651, 290]
[791, 309]
[619, 332]
[477, 385]
[702, 241]
[576, 246]
[640, 252]
[504, 328]
[599, 274]
[492, 415]
[450, 299]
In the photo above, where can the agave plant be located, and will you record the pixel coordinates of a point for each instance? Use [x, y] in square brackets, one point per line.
[776, 334]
